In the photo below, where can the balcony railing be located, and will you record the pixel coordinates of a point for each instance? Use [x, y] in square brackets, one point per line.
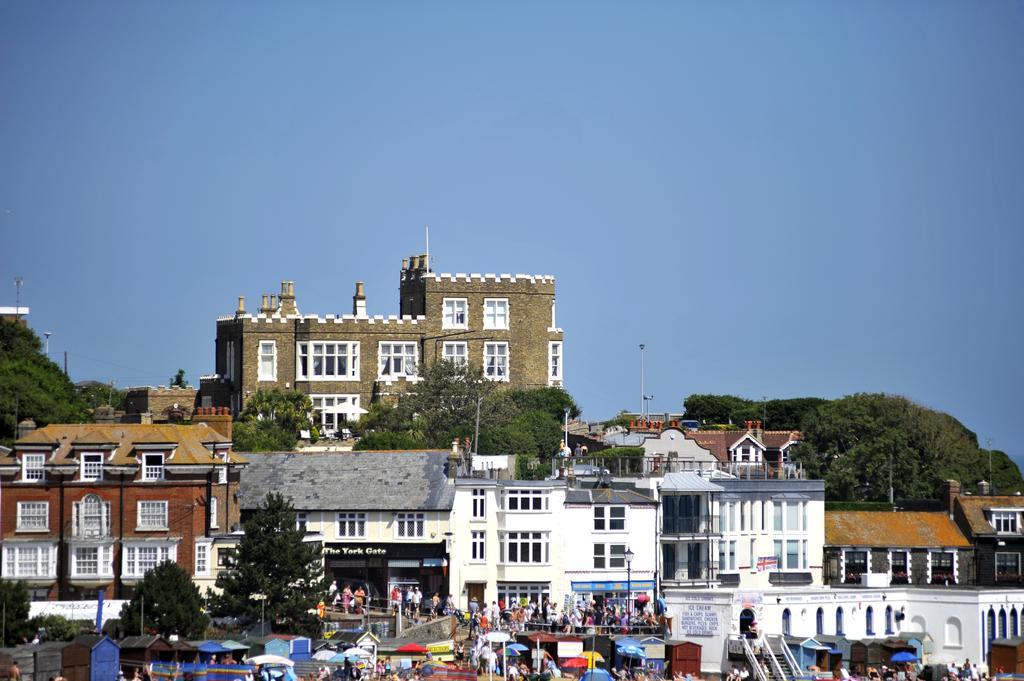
[693, 572]
[697, 524]
[658, 466]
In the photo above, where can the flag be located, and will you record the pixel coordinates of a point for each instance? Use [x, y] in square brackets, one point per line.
[99, 611]
[765, 563]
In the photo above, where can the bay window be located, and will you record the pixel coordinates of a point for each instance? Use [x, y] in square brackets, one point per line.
[141, 558]
[91, 561]
[29, 561]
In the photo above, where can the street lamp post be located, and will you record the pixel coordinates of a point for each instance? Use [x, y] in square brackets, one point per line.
[629, 590]
[262, 598]
[643, 391]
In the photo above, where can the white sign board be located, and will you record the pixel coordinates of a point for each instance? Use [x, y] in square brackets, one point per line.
[697, 619]
[570, 649]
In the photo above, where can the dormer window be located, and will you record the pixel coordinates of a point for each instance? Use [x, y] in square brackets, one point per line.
[91, 467]
[153, 467]
[32, 467]
[1006, 522]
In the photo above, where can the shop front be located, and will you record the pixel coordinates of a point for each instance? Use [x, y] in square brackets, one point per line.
[383, 566]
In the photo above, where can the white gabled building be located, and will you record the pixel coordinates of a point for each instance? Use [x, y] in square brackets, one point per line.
[600, 524]
[508, 541]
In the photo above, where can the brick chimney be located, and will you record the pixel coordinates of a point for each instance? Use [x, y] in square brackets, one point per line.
[288, 307]
[950, 491]
[359, 300]
[217, 418]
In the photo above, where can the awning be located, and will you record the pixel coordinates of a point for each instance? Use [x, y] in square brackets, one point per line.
[403, 563]
[432, 562]
[635, 585]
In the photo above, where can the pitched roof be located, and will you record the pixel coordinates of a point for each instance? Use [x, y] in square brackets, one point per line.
[974, 508]
[909, 529]
[606, 495]
[189, 442]
[718, 442]
[401, 481]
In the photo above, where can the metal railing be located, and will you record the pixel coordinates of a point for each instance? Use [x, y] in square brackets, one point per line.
[695, 524]
[692, 572]
[752, 661]
[658, 466]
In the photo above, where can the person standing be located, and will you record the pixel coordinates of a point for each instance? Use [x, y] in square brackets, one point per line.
[14, 674]
[417, 598]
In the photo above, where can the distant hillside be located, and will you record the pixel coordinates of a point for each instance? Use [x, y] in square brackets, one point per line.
[849, 442]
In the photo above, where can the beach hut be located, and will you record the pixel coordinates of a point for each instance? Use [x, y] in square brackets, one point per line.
[239, 651]
[654, 647]
[809, 652]
[91, 657]
[210, 649]
[278, 646]
[839, 650]
[139, 651]
[683, 657]
[300, 649]
[1006, 655]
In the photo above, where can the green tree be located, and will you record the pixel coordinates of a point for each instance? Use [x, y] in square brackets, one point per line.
[168, 601]
[58, 628]
[15, 607]
[272, 421]
[31, 386]
[273, 560]
[445, 400]
[178, 380]
[93, 394]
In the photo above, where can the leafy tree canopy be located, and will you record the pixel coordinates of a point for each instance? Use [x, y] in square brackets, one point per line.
[272, 421]
[16, 625]
[178, 379]
[168, 601]
[728, 409]
[31, 386]
[94, 394]
[58, 627]
[273, 560]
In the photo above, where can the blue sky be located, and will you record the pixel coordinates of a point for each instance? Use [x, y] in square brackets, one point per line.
[781, 199]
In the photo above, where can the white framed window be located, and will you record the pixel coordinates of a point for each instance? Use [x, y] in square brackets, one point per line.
[397, 360]
[29, 560]
[202, 558]
[214, 520]
[555, 363]
[90, 517]
[92, 561]
[526, 500]
[478, 546]
[322, 361]
[335, 410]
[609, 556]
[455, 352]
[141, 558]
[91, 466]
[479, 504]
[524, 594]
[301, 521]
[222, 475]
[524, 547]
[609, 518]
[1007, 566]
[33, 516]
[268, 361]
[152, 515]
[600, 557]
[409, 524]
[352, 525]
[496, 361]
[454, 313]
[152, 466]
[495, 313]
[1006, 522]
[32, 467]
[727, 555]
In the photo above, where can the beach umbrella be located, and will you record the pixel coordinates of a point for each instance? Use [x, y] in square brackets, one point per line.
[904, 656]
[271, 660]
[357, 653]
[518, 647]
[575, 663]
[592, 656]
[632, 651]
[412, 648]
[324, 655]
[596, 675]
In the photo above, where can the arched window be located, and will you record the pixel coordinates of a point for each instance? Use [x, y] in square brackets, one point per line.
[92, 517]
[991, 624]
[1002, 623]
[888, 619]
[820, 621]
[785, 622]
[839, 621]
[1014, 625]
[869, 621]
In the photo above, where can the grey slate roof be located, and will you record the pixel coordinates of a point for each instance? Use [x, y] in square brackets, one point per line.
[354, 481]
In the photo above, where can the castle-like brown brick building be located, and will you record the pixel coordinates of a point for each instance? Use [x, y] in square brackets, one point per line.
[505, 323]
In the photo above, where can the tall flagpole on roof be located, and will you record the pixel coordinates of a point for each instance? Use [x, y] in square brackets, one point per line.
[427, 229]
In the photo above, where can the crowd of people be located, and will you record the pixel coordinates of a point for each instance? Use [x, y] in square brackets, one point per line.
[586, 616]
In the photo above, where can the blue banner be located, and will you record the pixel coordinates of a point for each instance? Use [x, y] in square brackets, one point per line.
[635, 585]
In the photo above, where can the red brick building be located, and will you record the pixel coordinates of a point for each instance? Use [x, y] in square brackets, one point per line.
[89, 507]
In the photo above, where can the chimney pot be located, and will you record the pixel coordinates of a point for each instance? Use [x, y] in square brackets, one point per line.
[405, 264]
[284, 289]
[359, 300]
[241, 305]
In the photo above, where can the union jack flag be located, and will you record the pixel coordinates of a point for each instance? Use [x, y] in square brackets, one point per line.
[765, 563]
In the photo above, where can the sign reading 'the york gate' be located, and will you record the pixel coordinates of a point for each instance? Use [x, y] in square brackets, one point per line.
[698, 619]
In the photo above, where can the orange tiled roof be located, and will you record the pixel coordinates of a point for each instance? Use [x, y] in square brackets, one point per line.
[189, 441]
[909, 529]
[974, 509]
[718, 442]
